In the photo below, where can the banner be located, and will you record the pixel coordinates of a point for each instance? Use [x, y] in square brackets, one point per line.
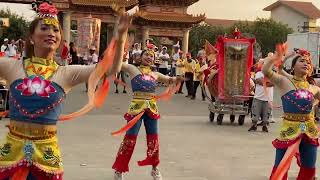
[88, 35]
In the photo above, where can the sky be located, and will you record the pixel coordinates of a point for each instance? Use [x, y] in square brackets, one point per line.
[222, 9]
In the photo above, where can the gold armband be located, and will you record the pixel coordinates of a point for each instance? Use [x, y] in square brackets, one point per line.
[281, 66]
[170, 80]
[269, 74]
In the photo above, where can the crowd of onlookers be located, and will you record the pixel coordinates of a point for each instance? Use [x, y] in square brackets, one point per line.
[13, 48]
[172, 62]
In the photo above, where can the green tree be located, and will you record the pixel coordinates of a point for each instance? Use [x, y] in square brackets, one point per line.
[200, 33]
[18, 25]
[267, 32]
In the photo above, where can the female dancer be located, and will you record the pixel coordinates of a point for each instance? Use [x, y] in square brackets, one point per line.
[142, 108]
[38, 86]
[299, 133]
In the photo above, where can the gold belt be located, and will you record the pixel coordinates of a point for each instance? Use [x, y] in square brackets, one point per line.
[30, 133]
[141, 95]
[298, 117]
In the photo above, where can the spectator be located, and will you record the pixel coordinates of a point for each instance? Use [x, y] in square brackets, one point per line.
[164, 58]
[202, 51]
[90, 59]
[122, 74]
[73, 54]
[260, 105]
[20, 48]
[190, 66]
[64, 53]
[180, 70]
[200, 66]
[136, 53]
[12, 49]
[175, 57]
[4, 47]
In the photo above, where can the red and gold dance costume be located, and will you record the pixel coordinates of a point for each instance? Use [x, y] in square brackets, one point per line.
[36, 100]
[298, 124]
[143, 87]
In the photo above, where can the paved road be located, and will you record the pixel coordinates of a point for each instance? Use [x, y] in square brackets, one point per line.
[191, 147]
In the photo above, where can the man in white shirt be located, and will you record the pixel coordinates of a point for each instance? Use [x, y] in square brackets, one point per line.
[4, 47]
[175, 57]
[164, 58]
[136, 52]
[12, 49]
[92, 57]
[261, 102]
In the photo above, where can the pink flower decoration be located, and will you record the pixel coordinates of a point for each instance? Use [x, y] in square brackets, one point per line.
[47, 9]
[303, 94]
[148, 77]
[36, 85]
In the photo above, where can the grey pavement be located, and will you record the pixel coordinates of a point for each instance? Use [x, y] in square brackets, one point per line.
[191, 148]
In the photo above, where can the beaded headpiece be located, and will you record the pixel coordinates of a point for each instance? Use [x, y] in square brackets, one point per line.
[150, 52]
[305, 55]
[150, 49]
[46, 10]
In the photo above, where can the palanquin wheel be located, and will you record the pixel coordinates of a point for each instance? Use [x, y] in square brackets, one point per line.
[241, 119]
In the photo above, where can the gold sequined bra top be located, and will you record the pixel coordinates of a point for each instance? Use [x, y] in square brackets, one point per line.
[298, 103]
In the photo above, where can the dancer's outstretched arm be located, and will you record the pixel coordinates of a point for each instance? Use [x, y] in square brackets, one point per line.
[7, 67]
[281, 70]
[124, 23]
[274, 77]
[77, 74]
[167, 79]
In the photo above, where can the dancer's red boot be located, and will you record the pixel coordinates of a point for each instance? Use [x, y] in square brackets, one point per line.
[152, 152]
[124, 154]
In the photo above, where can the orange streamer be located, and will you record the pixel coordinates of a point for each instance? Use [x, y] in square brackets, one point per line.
[102, 93]
[281, 51]
[4, 113]
[286, 161]
[94, 78]
[21, 174]
[129, 125]
[168, 93]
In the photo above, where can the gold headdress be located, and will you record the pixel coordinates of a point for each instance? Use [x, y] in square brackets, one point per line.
[46, 10]
[305, 55]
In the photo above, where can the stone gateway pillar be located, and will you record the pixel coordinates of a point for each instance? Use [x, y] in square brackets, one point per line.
[66, 25]
[185, 41]
[145, 36]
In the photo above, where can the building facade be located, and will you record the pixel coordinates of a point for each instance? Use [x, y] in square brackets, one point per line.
[300, 16]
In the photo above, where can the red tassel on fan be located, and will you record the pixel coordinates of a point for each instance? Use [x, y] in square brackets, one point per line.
[129, 125]
[21, 174]
[286, 161]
